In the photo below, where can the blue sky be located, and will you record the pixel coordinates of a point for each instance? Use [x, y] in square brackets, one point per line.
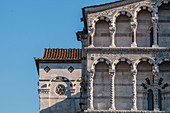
[26, 28]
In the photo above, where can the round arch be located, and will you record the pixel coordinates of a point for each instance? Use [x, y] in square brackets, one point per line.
[149, 60]
[61, 78]
[101, 60]
[144, 7]
[125, 60]
[105, 18]
[161, 60]
[128, 14]
[162, 2]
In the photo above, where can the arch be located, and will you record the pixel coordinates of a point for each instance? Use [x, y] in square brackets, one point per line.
[123, 29]
[102, 18]
[163, 23]
[125, 60]
[149, 60]
[101, 86]
[128, 14]
[64, 79]
[144, 25]
[162, 2]
[144, 7]
[123, 81]
[160, 61]
[101, 60]
[102, 35]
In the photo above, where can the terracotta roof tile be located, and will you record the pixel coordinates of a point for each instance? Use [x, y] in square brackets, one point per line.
[62, 54]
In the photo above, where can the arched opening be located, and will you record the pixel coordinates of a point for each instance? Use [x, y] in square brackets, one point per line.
[151, 37]
[123, 36]
[164, 74]
[144, 19]
[150, 100]
[163, 26]
[160, 99]
[144, 79]
[102, 36]
[101, 87]
[123, 86]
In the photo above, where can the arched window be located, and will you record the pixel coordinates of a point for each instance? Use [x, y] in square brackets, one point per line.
[150, 100]
[102, 35]
[101, 87]
[159, 99]
[151, 37]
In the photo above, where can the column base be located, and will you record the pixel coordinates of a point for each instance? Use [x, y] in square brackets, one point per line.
[91, 46]
[112, 109]
[156, 109]
[134, 44]
[155, 46]
[90, 109]
[112, 45]
[134, 109]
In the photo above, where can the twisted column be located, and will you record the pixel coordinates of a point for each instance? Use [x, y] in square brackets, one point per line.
[91, 35]
[112, 92]
[134, 92]
[155, 30]
[134, 30]
[113, 32]
[156, 73]
[91, 90]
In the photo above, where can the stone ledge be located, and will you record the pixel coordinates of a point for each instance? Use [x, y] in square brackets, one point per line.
[125, 49]
[122, 111]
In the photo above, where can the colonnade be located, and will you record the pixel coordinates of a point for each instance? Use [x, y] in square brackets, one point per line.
[112, 73]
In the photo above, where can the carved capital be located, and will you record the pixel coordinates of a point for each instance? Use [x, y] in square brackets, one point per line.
[155, 19]
[155, 71]
[134, 72]
[133, 25]
[91, 30]
[112, 29]
[112, 72]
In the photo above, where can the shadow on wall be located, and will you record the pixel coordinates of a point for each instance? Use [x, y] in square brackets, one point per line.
[67, 105]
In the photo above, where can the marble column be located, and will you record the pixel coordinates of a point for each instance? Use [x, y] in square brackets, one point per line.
[155, 30]
[155, 74]
[91, 31]
[134, 92]
[112, 92]
[134, 30]
[91, 107]
[113, 33]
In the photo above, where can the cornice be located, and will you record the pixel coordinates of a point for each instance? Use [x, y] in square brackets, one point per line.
[129, 49]
[97, 8]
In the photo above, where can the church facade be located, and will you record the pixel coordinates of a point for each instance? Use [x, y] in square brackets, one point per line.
[122, 67]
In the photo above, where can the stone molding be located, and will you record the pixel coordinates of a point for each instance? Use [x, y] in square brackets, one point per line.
[43, 91]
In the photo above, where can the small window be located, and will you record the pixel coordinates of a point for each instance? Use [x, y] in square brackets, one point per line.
[60, 89]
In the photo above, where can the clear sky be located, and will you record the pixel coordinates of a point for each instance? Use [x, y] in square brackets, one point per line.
[26, 28]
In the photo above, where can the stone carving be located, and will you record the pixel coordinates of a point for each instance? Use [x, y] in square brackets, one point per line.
[60, 89]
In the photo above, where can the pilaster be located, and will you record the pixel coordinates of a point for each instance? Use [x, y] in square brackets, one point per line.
[90, 87]
[91, 31]
[155, 30]
[113, 32]
[134, 92]
[112, 92]
[156, 74]
[134, 30]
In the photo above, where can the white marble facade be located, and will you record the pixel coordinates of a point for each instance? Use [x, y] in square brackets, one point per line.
[125, 64]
